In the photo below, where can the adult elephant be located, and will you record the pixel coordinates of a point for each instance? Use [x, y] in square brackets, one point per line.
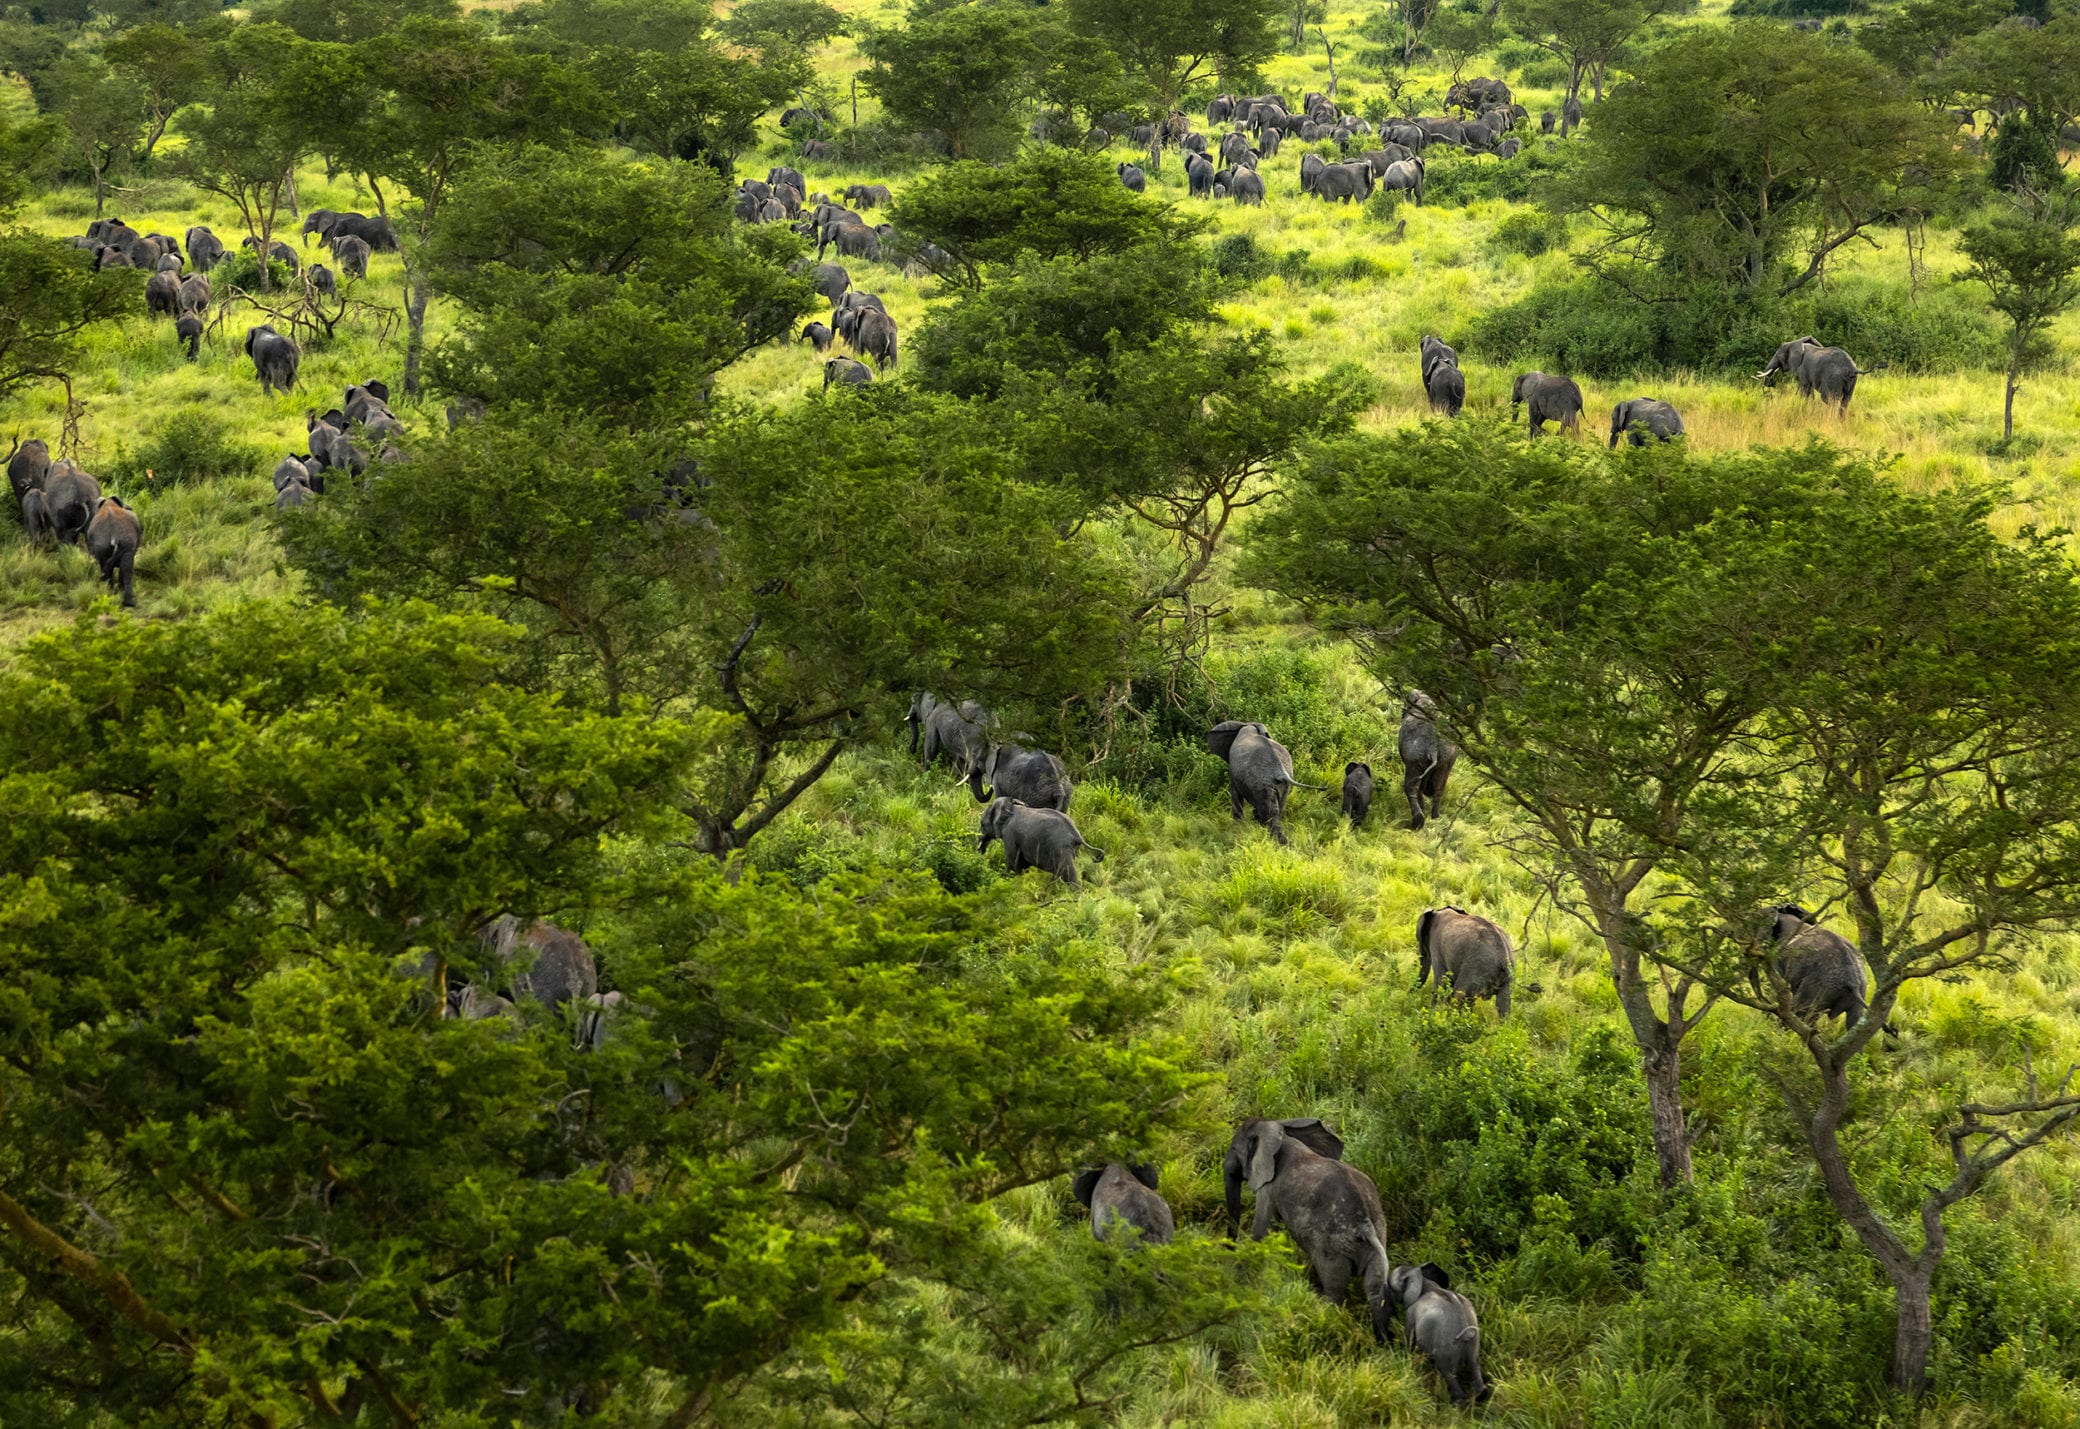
[1410, 136]
[352, 255]
[875, 336]
[1823, 968]
[112, 538]
[1827, 371]
[28, 466]
[1132, 178]
[960, 732]
[1547, 399]
[187, 335]
[1427, 758]
[195, 295]
[1570, 115]
[1124, 1198]
[1032, 776]
[1198, 176]
[1235, 149]
[1386, 156]
[1346, 182]
[1330, 1208]
[832, 281]
[1220, 109]
[546, 964]
[846, 372]
[1311, 166]
[205, 249]
[1260, 772]
[278, 251]
[1406, 175]
[1467, 955]
[1247, 187]
[275, 358]
[1645, 419]
[71, 497]
[1046, 839]
[1443, 383]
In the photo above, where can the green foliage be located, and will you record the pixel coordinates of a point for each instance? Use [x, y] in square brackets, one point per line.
[804, 24]
[1047, 203]
[1595, 329]
[2025, 152]
[352, 21]
[170, 67]
[192, 445]
[241, 269]
[50, 297]
[2028, 261]
[962, 71]
[1732, 204]
[1798, 9]
[1171, 47]
[619, 290]
[1455, 178]
[102, 114]
[1529, 232]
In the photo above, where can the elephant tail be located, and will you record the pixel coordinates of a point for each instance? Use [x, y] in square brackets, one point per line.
[1297, 784]
[1094, 851]
[1879, 366]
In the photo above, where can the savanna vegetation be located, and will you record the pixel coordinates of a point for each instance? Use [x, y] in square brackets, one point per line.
[511, 692]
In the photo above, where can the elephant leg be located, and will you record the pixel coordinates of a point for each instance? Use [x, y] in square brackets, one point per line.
[1332, 1277]
[1452, 1387]
[1235, 801]
[1413, 790]
[1067, 872]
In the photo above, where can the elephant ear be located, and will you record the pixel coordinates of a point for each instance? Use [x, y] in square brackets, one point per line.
[1423, 936]
[1221, 738]
[1146, 1175]
[1263, 1161]
[1086, 1182]
[1436, 1276]
[1310, 1132]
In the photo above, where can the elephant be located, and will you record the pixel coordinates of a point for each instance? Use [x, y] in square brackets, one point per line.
[822, 150]
[279, 251]
[772, 211]
[1509, 148]
[1829, 371]
[1132, 178]
[322, 281]
[1439, 1322]
[1247, 188]
[294, 495]
[1260, 772]
[782, 174]
[1407, 175]
[1311, 166]
[195, 294]
[1645, 419]
[1545, 122]
[318, 221]
[846, 373]
[1452, 131]
[1386, 157]
[876, 338]
[1823, 967]
[1220, 109]
[832, 281]
[1549, 399]
[1345, 183]
[550, 965]
[293, 468]
[1046, 839]
[854, 240]
[1198, 177]
[1427, 758]
[1269, 142]
[1444, 383]
[921, 706]
[275, 358]
[112, 538]
[352, 256]
[867, 195]
[36, 518]
[1412, 137]
[187, 334]
[958, 731]
[1032, 776]
[205, 249]
[1235, 148]
[1194, 143]
[171, 263]
[111, 257]
[818, 336]
[162, 295]
[1357, 792]
[1331, 1209]
[1570, 115]
[1120, 1196]
[364, 400]
[1481, 93]
[1468, 955]
[376, 232]
[73, 497]
[1480, 137]
[1433, 350]
[28, 464]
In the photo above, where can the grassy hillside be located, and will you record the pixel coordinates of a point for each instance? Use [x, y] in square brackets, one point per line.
[1513, 1152]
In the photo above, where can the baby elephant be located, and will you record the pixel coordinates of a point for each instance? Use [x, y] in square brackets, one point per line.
[1125, 1196]
[1467, 955]
[1035, 838]
[1440, 1322]
[1357, 792]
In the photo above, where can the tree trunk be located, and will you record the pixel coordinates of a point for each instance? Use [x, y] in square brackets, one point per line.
[1914, 1335]
[415, 332]
[2014, 380]
[1662, 1065]
[99, 191]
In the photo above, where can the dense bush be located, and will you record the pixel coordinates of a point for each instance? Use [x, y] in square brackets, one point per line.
[1459, 178]
[241, 269]
[191, 445]
[1800, 9]
[1594, 329]
[1530, 231]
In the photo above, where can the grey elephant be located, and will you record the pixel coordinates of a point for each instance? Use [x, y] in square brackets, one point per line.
[1046, 839]
[1570, 115]
[547, 964]
[72, 497]
[818, 336]
[1345, 183]
[960, 732]
[205, 249]
[28, 465]
[832, 281]
[112, 540]
[1469, 956]
[275, 358]
[1445, 385]
[846, 372]
[1545, 122]
[1260, 772]
[875, 337]
[1331, 1209]
[1547, 399]
[162, 295]
[352, 255]
[1427, 758]
[1198, 176]
[1032, 776]
[293, 468]
[1440, 1324]
[1823, 968]
[322, 280]
[1357, 792]
[1133, 178]
[1432, 350]
[195, 296]
[36, 518]
[1645, 419]
[187, 335]
[1311, 166]
[1125, 1197]
[1406, 175]
[1248, 188]
[1827, 371]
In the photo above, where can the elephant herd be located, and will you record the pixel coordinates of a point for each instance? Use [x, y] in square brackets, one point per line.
[173, 291]
[1544, 397]
[339, 441]
[61, 505]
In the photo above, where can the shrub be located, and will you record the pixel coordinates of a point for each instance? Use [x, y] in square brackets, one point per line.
[1530, 231]
[1545, 72]
[241, 269]
[1799, 9]
[1458, 178]
[1236, 255]
[192, 445]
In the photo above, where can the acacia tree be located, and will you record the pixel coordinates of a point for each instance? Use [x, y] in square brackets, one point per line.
[964, 71]
[1747, 145]
[1587, 34]
[102, 112]
[2028, 260]
[1917, 767]
[1169, 48]
[244, 147]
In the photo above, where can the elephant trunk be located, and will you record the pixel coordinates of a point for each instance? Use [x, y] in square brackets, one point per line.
[975, 784]
[1231, 1179]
